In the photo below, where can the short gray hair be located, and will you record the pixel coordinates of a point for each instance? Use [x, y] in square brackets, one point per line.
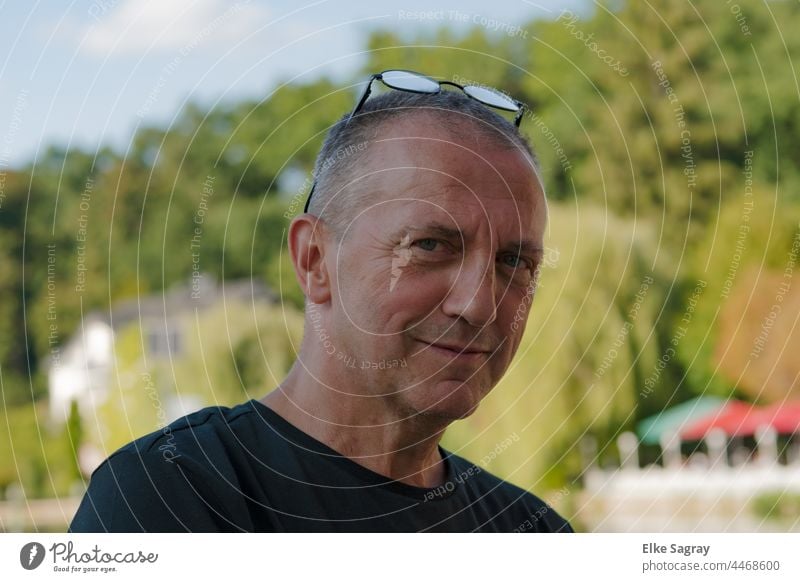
[346, 143]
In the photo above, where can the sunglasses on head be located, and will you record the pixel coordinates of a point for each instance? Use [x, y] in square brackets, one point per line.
[413, 82]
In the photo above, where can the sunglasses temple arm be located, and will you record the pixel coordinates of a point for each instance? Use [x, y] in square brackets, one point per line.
[520, 113]
[310, 192]
[364, 95]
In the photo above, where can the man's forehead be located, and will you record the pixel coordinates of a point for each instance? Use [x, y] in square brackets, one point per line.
[411, 160]
[427, 180]
[421, 140]
[510, 195]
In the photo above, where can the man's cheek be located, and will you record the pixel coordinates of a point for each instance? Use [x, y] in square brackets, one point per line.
[377, 277]
[425, 284]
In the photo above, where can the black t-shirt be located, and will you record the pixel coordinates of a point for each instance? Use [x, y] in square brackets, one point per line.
[248, 469]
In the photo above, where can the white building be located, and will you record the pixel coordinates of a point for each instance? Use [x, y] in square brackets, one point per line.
[83, 370]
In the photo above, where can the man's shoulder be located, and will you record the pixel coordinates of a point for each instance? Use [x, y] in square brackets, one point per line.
[199, 437]
[177, 478]
[532, 512]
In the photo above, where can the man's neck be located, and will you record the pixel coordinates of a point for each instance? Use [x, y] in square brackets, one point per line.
[369, 431]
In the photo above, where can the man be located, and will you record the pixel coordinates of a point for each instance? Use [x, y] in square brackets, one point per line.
[418, 257]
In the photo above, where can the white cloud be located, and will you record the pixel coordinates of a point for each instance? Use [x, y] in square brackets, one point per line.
[136, 26]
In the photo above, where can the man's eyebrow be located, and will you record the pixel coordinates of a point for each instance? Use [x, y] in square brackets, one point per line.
[528, 247]
[449, 232]
[439, 229]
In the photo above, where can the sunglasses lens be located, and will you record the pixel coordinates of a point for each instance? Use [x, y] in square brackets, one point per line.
[491, 97]
[406, 81]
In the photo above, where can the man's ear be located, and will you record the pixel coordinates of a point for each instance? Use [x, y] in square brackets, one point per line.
[308, 237]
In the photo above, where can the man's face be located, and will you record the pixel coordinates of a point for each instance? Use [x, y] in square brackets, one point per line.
[404, 278]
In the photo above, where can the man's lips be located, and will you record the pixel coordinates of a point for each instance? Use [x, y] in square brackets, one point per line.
[455, 349]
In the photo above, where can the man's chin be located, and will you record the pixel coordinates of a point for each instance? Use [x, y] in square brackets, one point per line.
[449, 401]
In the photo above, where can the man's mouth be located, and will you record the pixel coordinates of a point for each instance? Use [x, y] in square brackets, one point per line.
[466, 353]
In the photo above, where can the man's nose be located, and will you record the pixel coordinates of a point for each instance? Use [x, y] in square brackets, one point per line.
[472, 295]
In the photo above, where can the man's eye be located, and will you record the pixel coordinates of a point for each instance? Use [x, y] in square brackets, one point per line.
[427, 244]
[522, 271]
[516, 261]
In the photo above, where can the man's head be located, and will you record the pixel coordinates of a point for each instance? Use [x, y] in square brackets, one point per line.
[413, 238]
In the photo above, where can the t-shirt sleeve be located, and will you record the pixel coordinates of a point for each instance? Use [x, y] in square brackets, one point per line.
[146, 492]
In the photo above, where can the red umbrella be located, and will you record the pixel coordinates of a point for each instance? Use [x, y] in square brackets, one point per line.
[736, 418]
[784, 417]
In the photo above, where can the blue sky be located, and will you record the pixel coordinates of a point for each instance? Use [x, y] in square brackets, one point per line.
[87, 72]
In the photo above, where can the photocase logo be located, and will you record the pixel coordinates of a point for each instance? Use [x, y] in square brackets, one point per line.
[31, 555]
